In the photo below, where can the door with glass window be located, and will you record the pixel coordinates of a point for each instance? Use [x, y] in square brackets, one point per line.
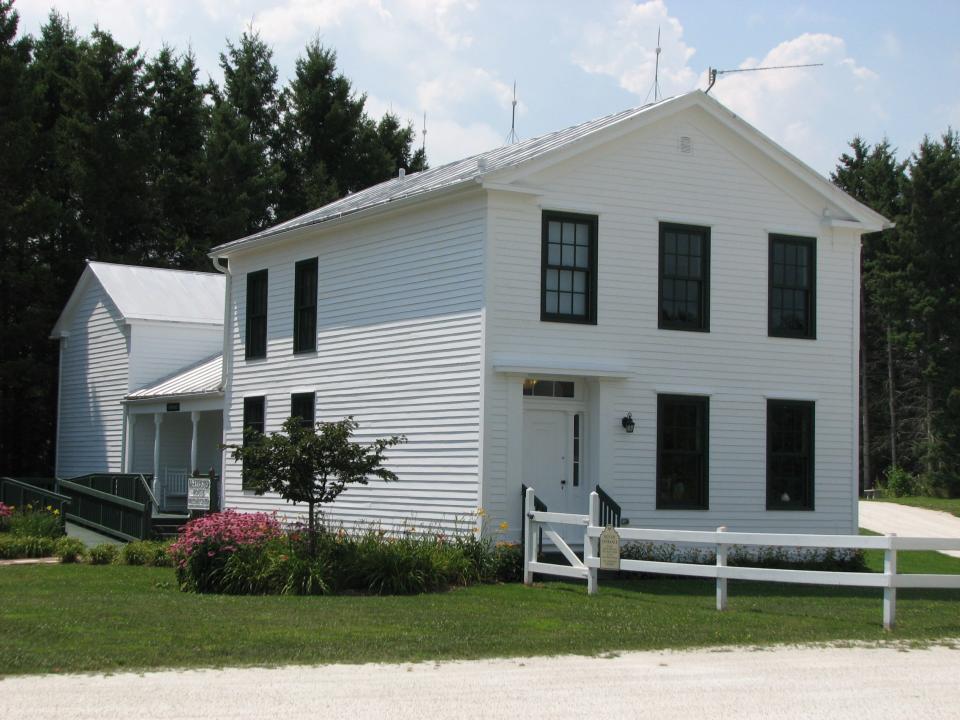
[552, 463]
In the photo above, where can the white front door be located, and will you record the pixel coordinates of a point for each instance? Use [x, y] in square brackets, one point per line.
[552, 448]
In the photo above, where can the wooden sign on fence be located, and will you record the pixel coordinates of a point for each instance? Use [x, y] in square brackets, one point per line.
[198, 493]
[609, 549]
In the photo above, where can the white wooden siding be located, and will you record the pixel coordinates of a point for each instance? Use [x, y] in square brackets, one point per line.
[158, 350]
[93, 382]
[633, 185]
[399, 333]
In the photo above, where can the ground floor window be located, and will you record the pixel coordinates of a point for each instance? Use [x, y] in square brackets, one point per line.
[253, 424]
[790, 455]
[682, 459]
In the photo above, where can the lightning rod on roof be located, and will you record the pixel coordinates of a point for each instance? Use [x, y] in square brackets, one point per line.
[656, 72]
[512, 137]
[712, 73]
[423, 145]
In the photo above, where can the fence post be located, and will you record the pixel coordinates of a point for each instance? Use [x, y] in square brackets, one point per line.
[721, 563]
[590, 544]
[529, 537]
[890, 590]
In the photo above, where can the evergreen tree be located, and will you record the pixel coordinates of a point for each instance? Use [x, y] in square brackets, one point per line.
[177, 126]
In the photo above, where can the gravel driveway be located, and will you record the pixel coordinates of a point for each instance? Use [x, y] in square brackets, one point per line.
[887, 517]
[782, 683]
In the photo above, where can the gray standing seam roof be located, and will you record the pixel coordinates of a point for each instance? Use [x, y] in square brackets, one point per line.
[446, 176]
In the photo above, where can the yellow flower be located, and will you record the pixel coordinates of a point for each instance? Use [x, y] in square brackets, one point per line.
[481, 512]
[56, 512]
[504, 526]
[49, 508]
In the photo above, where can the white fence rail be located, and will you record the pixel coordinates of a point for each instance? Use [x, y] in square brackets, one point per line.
[586, 569]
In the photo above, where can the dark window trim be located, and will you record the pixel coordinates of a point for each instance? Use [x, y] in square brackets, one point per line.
[250, 351]
[705, 291]
[294, 398]
[811, 333]
[773, 505]
[247, 403]
[592, 220]
[703, 400]
[309, 344]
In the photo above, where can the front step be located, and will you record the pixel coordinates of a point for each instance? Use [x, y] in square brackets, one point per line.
[165, 526]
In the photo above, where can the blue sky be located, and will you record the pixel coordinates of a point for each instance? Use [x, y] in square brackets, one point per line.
[891, 69]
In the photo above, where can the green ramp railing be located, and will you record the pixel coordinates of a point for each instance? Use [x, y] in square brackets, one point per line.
[118, 505]
[39, 492]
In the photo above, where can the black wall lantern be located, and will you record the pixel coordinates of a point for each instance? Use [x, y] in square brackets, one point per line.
[628, 423]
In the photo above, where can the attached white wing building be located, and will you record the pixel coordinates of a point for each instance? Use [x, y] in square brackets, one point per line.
[140, 376]
[662, 302]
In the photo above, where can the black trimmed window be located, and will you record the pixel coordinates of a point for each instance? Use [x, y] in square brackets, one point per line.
[253, 426]
[305, 306]
[568, 279]
[683, 430]
[684, 277]
[256, 315]
[302, 407]
[790, 444]
[793, 291]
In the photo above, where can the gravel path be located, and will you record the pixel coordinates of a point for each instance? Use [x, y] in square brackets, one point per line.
[781, 683]
[886, 517]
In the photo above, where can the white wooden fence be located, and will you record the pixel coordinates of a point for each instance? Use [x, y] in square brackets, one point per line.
[587, 568]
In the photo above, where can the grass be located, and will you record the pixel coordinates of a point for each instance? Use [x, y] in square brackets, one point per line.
[950, 505]
[60, 618]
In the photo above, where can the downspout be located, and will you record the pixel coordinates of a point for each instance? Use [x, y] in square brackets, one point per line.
[223, 265]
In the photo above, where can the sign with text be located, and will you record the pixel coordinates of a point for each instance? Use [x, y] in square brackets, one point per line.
[198, 493]
[609, 549]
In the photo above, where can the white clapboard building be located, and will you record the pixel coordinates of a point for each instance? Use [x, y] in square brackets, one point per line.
[661, 302]
[140, 376]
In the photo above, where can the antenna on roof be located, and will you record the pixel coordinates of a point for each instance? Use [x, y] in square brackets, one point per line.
[512, 137]
[712, 73]
[423, 145]
[656, 70]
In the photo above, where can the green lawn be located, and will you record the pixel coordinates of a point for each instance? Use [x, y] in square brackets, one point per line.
[59, 618]
[950, 505]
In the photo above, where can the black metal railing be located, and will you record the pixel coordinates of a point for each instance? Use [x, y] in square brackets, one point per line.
[609, 509]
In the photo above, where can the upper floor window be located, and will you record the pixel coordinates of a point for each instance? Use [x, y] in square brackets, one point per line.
[568, 283]
[253, 425]
[305, 306]
[683, 430]
[256, 315]
[684, 277]
[789, 455]
[302, 407]
[793, 294]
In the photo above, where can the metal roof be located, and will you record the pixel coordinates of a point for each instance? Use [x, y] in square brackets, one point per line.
[204, 378]
[447, 176]
[145, 293]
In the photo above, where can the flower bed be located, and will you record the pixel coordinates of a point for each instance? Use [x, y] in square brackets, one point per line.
[251, 554]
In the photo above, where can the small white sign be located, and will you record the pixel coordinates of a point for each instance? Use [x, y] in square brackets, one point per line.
[198, 493]
[609, 549]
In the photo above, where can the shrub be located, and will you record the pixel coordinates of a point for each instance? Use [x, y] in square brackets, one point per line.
[5, 512]
[849, 560]
[899, 483]
[146, 552]
[105, 554]
[508, 562]
[201, 553]
[13, 547]
[36, 522]
[69, 550]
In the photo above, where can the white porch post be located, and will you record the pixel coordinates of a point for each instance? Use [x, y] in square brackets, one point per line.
[195, 419]
[157, 420]
[128, 445]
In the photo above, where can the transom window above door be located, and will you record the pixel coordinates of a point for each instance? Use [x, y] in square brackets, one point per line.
[548, 388]
[569, 268]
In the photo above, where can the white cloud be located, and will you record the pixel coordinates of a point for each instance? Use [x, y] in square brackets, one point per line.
[295, 19]
[448, 139]
[807, 110]
[625, 49]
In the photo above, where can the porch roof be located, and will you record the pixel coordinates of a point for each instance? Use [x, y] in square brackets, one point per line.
[204, 378]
